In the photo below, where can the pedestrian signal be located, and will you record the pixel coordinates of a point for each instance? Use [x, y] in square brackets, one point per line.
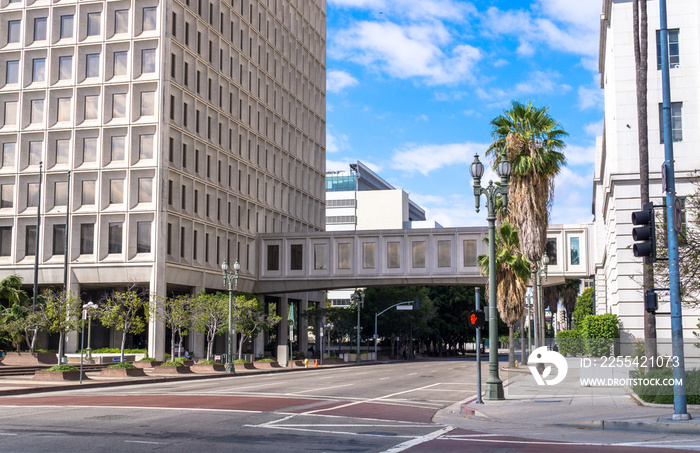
[477, 319]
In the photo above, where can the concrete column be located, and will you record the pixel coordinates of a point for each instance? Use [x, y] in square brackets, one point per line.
[156, 327]
[259, 340]
[197, 342]
[73, 338]
[303, 323]
[282, 331]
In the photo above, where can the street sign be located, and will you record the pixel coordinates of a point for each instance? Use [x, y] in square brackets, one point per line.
[677, 214]
[664, 187]
[404, 307]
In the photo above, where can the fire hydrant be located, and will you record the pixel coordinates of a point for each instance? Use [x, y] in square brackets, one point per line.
[306, 363]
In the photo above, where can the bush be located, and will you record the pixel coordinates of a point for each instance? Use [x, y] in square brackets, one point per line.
[240, 361]
[147, 359]
[118, 351]
[207, 362]
[266, 360]
[599, 333]
[175, 363]
[120, 365]
[62, 368]
[570, 342]
[664, 394]
[583, 307]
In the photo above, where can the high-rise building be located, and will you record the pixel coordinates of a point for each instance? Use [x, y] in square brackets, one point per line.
[188, 128]
[616, 190]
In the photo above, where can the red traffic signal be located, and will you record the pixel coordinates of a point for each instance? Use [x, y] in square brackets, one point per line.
[477, 319]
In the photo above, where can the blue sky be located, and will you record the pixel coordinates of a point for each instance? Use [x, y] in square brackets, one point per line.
[412, 86]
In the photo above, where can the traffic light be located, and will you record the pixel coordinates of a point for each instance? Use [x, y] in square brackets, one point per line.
[477, 319]
[644, 232]
[416, 303]
[651, 301]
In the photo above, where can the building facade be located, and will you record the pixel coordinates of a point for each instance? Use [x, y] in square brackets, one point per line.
[618, 273]
[188, 128]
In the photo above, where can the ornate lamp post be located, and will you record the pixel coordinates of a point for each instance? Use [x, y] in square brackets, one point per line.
[359, 298]
[88, 308]
[539, 316]
[494, 385]
[232, 279]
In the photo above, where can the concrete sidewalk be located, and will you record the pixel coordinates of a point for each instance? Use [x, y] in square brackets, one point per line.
[567, 405]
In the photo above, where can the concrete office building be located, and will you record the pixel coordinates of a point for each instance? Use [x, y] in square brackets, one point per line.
[189, 127]
[358, 200]
[618, 274]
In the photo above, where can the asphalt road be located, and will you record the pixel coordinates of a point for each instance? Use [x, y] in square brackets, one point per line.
[354, 409]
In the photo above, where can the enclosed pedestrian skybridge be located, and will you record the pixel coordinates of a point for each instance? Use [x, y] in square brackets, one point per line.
[298, 262]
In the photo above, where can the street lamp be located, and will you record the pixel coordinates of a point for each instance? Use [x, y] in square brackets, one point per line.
[329, 328]
[87, 308]
[359, 298]
[494, 385]
[232, 279]
[540, 271]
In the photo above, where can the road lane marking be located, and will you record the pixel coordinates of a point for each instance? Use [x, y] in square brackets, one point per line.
[384, 378]
[8, 434]
[322, 388]
[144, 442]
[370, 400]
[419, 440]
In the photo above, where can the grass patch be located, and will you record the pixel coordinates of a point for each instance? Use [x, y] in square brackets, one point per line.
[207, 362]
[147, 359]
[62, 368]
[240, 361]
[121, 365]
[266, 360]
[175, 363]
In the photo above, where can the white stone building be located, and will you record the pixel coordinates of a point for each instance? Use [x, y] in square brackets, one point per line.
[618, 273]
[189, 127]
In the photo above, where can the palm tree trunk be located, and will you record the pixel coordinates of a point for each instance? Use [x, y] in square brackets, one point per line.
[639, 18]
[511, 346]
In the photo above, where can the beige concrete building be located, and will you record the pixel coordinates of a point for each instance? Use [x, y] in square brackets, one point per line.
[189, 127]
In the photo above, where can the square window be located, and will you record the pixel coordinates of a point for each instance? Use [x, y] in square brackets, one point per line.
[120, 62]
[116, 191]
[149, 19]
[273, 257]
[40, 29]
[393, 255]
[575, 251]
[35, 152]
[12, 73]
[13, 31]
[8, 154]
[92, 105]
[320, 257]
[674, 59]
[143, 237]
[32, 194]
[93, 24]
[444, 253]
[92, 65]
[59, 240]
[7, 192]
[115, 238]
[30, 240]
[296, 257]
[60, 193]
[146, 147]
[87, 239]
[676, 122]
[10, 113]
[119, 105]
[39, 70]
[88, 193]
[65, 68]
[121, 21]
[148, 61]
[368, 260]
[145, 190]
[64, 109]
[118, 148]
[90, 149]
[36, 111]
[148, 103]
[62, 151]
[344, 256]
[66, 27]
[5, 241]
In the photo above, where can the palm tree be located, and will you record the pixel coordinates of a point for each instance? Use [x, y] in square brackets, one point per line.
[512, 270]
[569, 292]
[532, 141]
[639, 26]
[11, 290]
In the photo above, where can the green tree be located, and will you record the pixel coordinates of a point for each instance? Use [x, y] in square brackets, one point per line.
[583, 308]
[11, 324]
[127, 311]
[569, 292]
[249, 319]
[210, 317]
[61, 310]
[176, 313]
[11, 291]
[449, 327]
[512, 271]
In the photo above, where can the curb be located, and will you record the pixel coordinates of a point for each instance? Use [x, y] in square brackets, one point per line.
[680, 427]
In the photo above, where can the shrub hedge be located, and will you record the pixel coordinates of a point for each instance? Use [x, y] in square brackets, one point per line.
[599, 333]
[570, 342]
[664, 394]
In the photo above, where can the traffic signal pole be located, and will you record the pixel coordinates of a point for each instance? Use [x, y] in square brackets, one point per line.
[679, 393]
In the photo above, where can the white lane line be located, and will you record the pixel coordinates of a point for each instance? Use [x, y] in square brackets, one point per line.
[324, 431]
[369, 400]
[362, 426]
[412, 374]
[384, 378]
[146, 407]
[526, 442]
[7, 434]
[144, 442]
[419, 440]
[322, 388]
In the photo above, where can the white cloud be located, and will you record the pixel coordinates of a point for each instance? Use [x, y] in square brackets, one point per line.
[417, 50]
[590, 97]
[580, 155]
[426, 158]
[337, 81]
[454, 10]
[595, 129]
[336, 142]
[537, 82]
[572, 197]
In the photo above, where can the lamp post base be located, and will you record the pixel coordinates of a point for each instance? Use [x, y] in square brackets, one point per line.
[494, 390]
[230, 369]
